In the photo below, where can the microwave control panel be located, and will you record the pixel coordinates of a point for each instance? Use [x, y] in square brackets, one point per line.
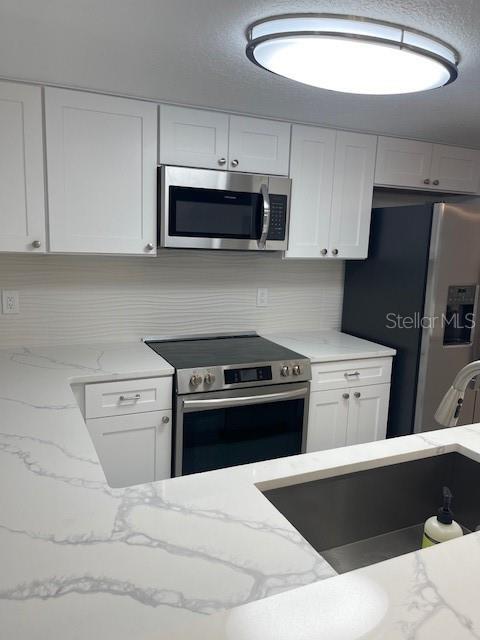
[278, 217]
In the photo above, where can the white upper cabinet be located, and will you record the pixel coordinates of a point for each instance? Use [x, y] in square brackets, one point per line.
[455, 169]
[332, 184]
[311, 169]
[403, 163]
[213, 140]
[101, 167]
[352, 194]
[22, 183]
[259, 146]
[193, 137]
[410, 164]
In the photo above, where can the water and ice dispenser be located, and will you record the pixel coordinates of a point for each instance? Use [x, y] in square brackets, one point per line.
[459, 315]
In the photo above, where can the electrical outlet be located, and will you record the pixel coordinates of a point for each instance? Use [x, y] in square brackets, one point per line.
[10, 302]
[262, 297]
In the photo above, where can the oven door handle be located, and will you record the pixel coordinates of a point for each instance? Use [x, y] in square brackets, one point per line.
[224, 403]
[266, 216]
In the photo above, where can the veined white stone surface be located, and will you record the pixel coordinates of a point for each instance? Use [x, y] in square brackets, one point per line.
[328, 345]
[81, 560]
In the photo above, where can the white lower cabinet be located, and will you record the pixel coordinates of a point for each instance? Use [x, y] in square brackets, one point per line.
[348, 403]
[134, 448]
[327, 420]
[342, 417]
[130, 423]
[367, 414]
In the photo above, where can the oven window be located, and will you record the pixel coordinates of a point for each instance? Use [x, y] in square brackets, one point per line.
[225, 437]
[211, 213]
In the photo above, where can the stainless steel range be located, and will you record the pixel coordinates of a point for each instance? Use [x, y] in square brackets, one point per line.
[238, 399]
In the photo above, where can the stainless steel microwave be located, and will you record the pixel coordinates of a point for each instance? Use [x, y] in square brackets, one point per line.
[207, 209]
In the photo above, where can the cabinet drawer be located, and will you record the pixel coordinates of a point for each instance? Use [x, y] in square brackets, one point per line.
[351, 373]
[127, 396]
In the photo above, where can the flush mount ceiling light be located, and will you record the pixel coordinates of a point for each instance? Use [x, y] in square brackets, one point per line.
[352, 55]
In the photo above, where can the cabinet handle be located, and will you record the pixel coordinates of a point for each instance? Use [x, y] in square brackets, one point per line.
[352, 375]
[436, 182]
[346, 396]
[324, 252]
[222, 161]
[235, 163]
[130, 398]
[149, 247]
[426, 181]
[165, 419]
[334, 252]
[36, 244]
[357, 394]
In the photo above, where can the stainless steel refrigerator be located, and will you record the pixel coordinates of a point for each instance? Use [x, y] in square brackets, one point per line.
[418, 293]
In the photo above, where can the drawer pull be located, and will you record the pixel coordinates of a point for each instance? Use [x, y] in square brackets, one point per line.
[352, 375]
[130, 398]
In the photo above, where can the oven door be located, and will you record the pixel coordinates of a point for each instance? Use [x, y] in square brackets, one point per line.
[205, 209]
[227, 428]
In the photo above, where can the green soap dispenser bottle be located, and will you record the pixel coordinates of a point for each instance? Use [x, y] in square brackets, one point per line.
[441, 527]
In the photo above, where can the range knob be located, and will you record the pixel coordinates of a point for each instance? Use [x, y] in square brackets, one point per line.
[285, 371]
[296, 369]
[209, 378]
[195, 380]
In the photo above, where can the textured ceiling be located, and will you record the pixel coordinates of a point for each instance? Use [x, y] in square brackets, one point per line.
[192, 52]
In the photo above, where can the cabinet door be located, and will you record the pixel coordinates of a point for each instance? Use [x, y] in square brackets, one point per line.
[311, 170]
[327, 420]
[352, 195]
[134, 448]
[22, 185]
[101, 163]
[455, 169]
[403, 163]
[193, 138]
[259, 146]
[368, 412]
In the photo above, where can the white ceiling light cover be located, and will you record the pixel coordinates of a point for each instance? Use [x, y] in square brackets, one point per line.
[351, 55]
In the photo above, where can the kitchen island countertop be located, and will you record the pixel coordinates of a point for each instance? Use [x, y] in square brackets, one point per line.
[81, 560]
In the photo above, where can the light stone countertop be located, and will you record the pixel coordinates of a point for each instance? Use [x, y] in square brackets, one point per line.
[81, 560]
[329, 346]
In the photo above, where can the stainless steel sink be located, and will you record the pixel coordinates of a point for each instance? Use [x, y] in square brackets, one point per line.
[361, 518]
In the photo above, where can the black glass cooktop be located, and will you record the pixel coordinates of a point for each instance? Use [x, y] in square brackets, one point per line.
[218, 351]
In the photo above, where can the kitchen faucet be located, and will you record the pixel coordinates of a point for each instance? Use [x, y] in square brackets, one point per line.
[449, 409]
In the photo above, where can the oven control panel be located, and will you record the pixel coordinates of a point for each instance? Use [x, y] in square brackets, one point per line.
[218, 378]
[252, 374]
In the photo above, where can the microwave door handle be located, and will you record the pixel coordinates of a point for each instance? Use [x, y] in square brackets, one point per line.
[266, 216]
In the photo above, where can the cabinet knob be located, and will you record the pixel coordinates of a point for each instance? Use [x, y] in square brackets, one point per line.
[222, 161]
[436, 182]
[149, 247]
[36, 244]
[165, 419]
[324, 252]
[426, 181]
[357, 394]
[334, 252]
[346, 396]
[234, 163]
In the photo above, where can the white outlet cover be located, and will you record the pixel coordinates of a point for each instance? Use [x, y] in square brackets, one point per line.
[262, 297]
[10, 302]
